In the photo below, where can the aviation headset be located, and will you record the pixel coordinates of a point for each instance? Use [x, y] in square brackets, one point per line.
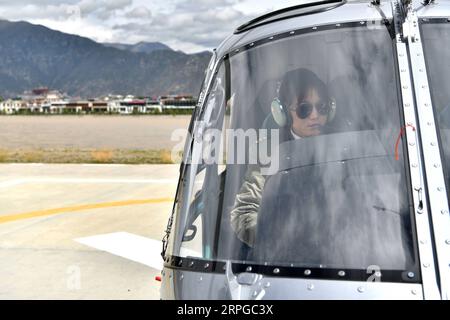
[280, 112]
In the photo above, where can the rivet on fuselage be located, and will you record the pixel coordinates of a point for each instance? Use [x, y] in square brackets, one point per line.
[307, 272]
[276, 271]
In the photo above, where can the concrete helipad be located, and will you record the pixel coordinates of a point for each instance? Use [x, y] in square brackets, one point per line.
[83, 231]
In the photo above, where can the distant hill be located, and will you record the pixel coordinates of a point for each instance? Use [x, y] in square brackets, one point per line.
[35, 56]
[143, 47]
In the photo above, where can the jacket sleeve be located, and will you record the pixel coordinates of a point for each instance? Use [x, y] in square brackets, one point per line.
[245, 210]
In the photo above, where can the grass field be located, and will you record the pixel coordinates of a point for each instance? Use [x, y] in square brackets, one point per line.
[104, 156]
[90, 139]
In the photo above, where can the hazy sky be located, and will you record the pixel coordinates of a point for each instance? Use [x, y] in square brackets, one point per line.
[188, 25]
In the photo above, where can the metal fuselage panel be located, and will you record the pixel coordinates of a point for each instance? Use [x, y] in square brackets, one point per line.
[186, 285]
[189, 285]
[347, 13]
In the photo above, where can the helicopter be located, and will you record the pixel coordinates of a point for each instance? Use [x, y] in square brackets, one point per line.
[356, 209]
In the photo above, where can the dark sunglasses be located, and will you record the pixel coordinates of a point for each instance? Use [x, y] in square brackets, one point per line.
[305, 109]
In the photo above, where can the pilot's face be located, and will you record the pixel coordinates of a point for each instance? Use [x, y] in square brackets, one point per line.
[314, 121]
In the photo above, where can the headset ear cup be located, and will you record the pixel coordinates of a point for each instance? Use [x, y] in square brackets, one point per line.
[332, 112]
[279, 113]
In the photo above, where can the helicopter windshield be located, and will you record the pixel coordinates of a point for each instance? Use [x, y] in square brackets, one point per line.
[437, 55]
[293, 159]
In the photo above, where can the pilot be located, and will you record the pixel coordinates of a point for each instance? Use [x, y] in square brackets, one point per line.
[301, 110]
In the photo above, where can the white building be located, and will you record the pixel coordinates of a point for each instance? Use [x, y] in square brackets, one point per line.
[58, 106]
[12, 106]
[114, 106]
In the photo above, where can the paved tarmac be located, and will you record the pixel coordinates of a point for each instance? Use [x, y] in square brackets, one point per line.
[83, 231]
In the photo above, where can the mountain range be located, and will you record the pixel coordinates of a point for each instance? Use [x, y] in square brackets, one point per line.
[35, 56]
[143, 47]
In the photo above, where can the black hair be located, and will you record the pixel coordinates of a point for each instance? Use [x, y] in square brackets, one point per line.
[297, 83]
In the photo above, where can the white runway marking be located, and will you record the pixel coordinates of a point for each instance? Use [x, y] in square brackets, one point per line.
[129, 246]
[11, 183]
[96, 180]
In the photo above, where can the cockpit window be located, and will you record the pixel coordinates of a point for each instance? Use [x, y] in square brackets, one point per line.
[437, 55]
[306, 174]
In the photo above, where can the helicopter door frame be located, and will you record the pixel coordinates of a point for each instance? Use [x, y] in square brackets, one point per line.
[169, 238]
[427, 177]
[433, 161]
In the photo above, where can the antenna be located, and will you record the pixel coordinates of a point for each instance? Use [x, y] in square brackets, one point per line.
[407, 6]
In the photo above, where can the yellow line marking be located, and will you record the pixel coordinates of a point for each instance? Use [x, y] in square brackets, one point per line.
[49, 212]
